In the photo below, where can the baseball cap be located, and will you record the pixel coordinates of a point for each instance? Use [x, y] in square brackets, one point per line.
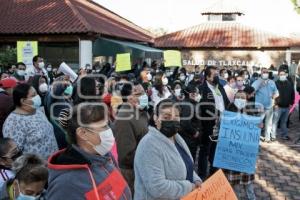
[8, 83]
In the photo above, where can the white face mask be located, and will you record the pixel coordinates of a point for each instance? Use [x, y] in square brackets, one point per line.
[165, 81]
[21, 72]
[41, 65]
[246, 76]
[198, 98]
[43, 88]
[239, 83]
[182, 77]
[240, 103]
[24, 196]
[232, 85]
[226, 75]
[177, 92]
[265, 76]
[282, 78]
[143, 101]
[107, 142]
[149, 77]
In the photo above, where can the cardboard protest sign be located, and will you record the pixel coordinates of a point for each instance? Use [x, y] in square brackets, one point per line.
[65, 69]
[172, 58]
[123, 62]
[26, 50]
[238, 142]
[215, 188]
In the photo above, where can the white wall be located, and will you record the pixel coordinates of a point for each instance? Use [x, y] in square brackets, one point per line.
[85, 52]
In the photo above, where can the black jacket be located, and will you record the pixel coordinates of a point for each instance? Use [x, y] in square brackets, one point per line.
[208, 107]
[286, 94]
[190, 122]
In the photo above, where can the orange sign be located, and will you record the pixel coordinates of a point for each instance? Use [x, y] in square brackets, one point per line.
[215, 188]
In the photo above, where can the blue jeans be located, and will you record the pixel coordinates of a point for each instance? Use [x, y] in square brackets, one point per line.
[281, 114]
[268, 124]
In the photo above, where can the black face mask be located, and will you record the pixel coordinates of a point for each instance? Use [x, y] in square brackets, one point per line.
[169, 128]
[216, 80]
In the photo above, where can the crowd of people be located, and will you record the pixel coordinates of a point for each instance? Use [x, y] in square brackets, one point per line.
[148, 133]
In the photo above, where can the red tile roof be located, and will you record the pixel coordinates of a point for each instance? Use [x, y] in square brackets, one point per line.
[224, 35]
[65, 17]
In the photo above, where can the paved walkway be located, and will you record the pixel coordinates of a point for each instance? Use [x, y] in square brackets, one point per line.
[278, 167]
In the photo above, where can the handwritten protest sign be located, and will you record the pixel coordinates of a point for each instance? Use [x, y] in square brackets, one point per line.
[123, 62]
[26, 50]
[172, 58]
[215, 188]
[238, 142]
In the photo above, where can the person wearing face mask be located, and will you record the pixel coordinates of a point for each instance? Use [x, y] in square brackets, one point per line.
[223, 77]
[246, 77]
[40, 84]
[213, 102]
[59, 98]
[8, 153]
[129, 127]
[190, 123]
[240, 82]
[242, 183]
[86, 169]
[20, 72]
[230, 88]
[196, 81]
[160, 90]
[6, 100]
[282, 106]
[145, 79]
[31, 175]
[50, 72]
[38, 67]
[163, 164]
[178, 92]
[27, 125]
[189, 77]
[265, 94]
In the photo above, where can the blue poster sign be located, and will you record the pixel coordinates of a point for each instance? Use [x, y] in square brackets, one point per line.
[238, 142]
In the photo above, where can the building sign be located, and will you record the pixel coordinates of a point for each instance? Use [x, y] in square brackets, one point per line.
[217, 62]
[26, 50]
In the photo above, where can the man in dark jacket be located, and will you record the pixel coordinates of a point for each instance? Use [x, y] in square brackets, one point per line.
[214, 101]
[6, 100]
[283, 104]
[130, 125]
[190, 123]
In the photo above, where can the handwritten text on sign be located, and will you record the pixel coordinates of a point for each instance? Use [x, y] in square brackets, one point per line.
[238, 142]
[215, 188]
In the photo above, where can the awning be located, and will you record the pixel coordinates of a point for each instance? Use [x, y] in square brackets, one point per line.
[110, 47]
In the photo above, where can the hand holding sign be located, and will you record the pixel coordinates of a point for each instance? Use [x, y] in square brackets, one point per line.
[238, 142]
[216, 187]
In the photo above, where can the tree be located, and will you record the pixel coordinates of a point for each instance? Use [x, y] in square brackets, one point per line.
[158, 31]
[8, 56]
[296, 5]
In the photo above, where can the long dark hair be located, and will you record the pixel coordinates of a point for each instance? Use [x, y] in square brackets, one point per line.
[158, 84]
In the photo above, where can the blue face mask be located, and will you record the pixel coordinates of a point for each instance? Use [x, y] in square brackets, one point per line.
[26, 197]
[37, 102]
[143, 101]
[69, 90]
